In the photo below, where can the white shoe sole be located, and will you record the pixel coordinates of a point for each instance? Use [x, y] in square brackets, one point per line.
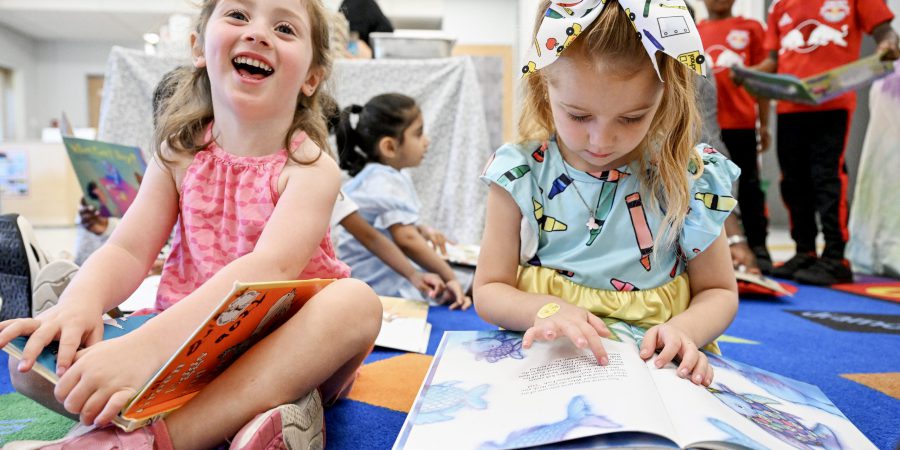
[50, 283]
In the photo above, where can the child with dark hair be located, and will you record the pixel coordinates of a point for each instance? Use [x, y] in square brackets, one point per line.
[375, 142]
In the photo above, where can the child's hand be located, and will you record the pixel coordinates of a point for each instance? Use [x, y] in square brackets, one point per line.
[454, 293]
[91, 219]
[673, 342]
[429, 284]
[578, 324]
[71, 325]
[104, 377]
[435, 237]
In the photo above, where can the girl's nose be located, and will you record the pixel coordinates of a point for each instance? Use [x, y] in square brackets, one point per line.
[256, 36]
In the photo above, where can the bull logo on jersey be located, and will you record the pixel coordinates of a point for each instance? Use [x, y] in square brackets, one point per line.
[835, 10]
[723, 58]
[738, 39]
[821, 35]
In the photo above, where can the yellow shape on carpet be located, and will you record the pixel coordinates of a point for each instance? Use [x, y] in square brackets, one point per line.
[887, 383]
[391, 383]
[735, 340]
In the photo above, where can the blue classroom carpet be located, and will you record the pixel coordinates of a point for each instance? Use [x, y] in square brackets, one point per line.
[844, 343]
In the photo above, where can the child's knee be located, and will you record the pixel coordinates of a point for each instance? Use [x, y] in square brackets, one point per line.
[362, 306]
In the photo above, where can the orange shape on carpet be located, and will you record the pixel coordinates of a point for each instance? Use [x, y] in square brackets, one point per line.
[391, 383]
[887, 383]
[889, 291]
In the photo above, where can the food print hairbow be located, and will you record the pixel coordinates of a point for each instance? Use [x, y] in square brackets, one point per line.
[661, 25]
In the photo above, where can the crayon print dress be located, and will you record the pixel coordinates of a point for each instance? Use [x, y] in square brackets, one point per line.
[610, 264]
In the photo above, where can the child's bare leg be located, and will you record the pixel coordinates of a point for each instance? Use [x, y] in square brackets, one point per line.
[322, 345]
[37, 388]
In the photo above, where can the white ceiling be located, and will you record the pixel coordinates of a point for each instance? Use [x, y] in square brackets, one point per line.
[89, 20]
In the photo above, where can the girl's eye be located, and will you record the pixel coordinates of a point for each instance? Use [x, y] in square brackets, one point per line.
[578, 118]
[285, 28]
[237, 14]
[630, 120]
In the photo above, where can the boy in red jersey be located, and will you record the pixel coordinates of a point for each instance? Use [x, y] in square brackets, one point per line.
[803, 38]
[731, 41]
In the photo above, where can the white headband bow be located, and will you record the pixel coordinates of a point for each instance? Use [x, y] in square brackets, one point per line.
[661, 25]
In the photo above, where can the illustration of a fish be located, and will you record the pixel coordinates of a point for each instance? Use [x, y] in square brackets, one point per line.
[494, 346]
[784, 426]
[578, 415]
[442, 401]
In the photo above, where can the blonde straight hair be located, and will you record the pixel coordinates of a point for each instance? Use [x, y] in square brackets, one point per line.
[186, 114]
[667, 152]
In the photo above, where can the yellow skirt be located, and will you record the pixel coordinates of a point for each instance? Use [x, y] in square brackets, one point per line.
[644, 308]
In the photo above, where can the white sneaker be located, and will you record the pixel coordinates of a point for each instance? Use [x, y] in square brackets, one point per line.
[295, 426]
[50, 283]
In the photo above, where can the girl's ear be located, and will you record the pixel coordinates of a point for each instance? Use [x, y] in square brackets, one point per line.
[387, 147]
[197, 51]
[313, 78]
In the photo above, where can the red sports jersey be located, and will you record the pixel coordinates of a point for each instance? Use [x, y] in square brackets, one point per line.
[813, 36]
[729, 42]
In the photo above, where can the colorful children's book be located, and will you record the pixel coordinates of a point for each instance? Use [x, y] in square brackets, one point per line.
[404, 325]
[753, 284]
[247, 314]
[817, 88]
[484, 391]
[109, 174]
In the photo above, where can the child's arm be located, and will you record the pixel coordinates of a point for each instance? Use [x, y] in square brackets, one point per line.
[713, 306]
[110, 372]
[435, 237]
[108, 277]
[414, 245]
[428, 283]
[500, 302]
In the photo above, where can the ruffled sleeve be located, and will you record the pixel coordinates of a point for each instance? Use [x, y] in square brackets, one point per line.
[388, 198]
[711, 201]
[512, 168]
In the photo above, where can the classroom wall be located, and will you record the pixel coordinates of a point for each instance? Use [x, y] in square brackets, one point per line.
[18, 53]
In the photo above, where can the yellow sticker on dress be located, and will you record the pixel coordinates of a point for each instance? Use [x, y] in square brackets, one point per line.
[547, 310]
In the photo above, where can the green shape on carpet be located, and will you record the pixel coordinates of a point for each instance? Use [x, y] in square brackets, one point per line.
[22, 419]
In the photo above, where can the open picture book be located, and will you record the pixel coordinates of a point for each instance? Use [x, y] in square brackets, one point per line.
[817, 88]
[754, 284]
[247, 314]
[484, 391]
[404, 325]
[109, 174]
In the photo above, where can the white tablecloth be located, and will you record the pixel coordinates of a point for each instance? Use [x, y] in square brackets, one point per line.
[447, 90]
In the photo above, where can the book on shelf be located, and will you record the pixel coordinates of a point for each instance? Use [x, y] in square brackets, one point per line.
[404, 325]
[109, 174]
[484, 391]
[246, 315]
[818, 88]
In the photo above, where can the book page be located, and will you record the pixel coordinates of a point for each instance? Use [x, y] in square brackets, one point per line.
[485, 391]
[750, 407]
[404, 325]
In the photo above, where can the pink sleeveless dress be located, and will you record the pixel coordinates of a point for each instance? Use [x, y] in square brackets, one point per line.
[225, 203]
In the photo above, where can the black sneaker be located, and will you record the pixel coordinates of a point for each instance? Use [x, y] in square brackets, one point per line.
[763, 260]
[825, 272]
[20, 261]
[797, 262]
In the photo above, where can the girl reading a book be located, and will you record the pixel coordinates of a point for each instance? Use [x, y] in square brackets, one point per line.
[607, 207]
[376, 142]
[246, 177]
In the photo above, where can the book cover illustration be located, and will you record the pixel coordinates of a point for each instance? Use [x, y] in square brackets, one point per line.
[484, 391]
[109, 174]
[816, 89]
[246, 315]
[404, 325]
